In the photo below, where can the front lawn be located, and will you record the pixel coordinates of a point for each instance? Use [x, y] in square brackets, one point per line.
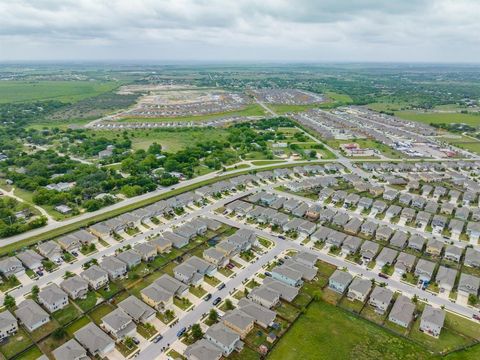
[198, 291]
[211, 280]
[182, 303]
[15, 344]
[166, 318]
[146, 330]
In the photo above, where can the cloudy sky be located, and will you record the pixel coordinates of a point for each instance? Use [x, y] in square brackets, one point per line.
[241, 30]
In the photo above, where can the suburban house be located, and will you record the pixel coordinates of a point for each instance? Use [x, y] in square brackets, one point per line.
[92, 338]
[147, 251]
[137, 310]
[69, 243]
[71, 350]
[339, 281]
[402, 311]
[445, 278]
[203, 350]
[404, 263]
[160, 293]
[369, 228]
[215, 257]
[384, 233]
[175, 239]
[472, 258]
[453, 253]
[287, 275]
[31, 315]
[264, 296]
[96, 277]
[287, 292]
[51, 250]
[53, 298]
[434, 247]
[130, 257]
[161, 244]
[114, 267]
[30, 259]
[432, 321]
[399, 239]
[351, 245]
[368, 250]
[386, 257]
[424, 270]
[8, 324]
[239, 322]
[359, 289]
[119, 324]
[11, 266]
[380, 299]
[76, 287]
[224, 338]
[468, 285]
[192, 270]
[263, 316]
[416, 242]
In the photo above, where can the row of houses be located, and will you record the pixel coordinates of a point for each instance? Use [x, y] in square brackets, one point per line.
[223, 338]
[381, 298]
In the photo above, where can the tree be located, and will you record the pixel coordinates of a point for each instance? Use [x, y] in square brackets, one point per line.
[472, 299]
[129, 343]
[197, 332]
[415, 298]
[213, 316]
[35, 291]
[9, 301]
[59, 333]
[229, 304]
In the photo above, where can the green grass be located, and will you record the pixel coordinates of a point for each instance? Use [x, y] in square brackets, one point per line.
[65, 91]
[198, 291]
[32, 353]
[338, 98]
[183, 303]
[77, 325]
[44, 330]
[468, 354]
[367, 143]
[281, 109]
[327, 332]
[66, 315]
[250, 110]
[113, 288]
[16, 343]
[438, 118]
[464, 142]
[99, 312]
[89, 302]
[267, 162]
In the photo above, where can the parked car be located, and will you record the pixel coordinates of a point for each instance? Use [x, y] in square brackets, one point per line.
[157, 338]
[208, 297]
[267, 273]
[217, 300]
[181, 331]
[221, 286]
[135, 340]
[476, 317]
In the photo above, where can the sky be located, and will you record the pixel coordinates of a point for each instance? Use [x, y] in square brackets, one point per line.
[441, 31]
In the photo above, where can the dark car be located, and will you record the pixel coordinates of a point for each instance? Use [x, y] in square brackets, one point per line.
[382, 275]
[157, 338]
[217, 300]
[267, 273]
[221, 286]
[181, 332]
[136, 341]
[476, 317]
[208, 297]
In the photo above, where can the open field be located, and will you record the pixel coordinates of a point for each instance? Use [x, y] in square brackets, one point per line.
[439, 118]
[65, 91]
[367, 143]
[171, 141]
[319, 334]
[464, 142]
[249, 110]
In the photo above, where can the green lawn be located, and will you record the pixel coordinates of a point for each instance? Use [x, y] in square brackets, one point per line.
[183, 303]
[32, 353]
[198, 291]
[367, 143]
[89, 302]
[99, 312]
[65, 91]
[66, 315]
[464, 142]
[77, 325]
[16, 343]
[327, 332]
[113, 288]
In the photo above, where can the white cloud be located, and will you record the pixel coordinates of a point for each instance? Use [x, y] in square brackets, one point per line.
[283, 30]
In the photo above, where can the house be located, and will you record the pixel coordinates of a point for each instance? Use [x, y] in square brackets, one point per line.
[369, 228]
[31, 315]
[177, 241]
[340, 219]
[130, 257]
[239, 322]
[473, 229]
[321, 234]
[264, 296]
[384, 233]
[390, 195]
[224, 338]
[339, 281]
[227, 248]
[468, 284]
[399, 239]
[239, 207]
[161, 292]
[51, 250]
[447, 208]
[287, 292]
[359, 289]
[404, 263]
[203, 350]
[462, 213]
[392, 211]
[96, 277]
[306, 258]
[306, 227]
[405, 199]
[84, 237]
[352, 199]
[215, 257]
[380, 299]
[422, 219]
[432, 321]
[456, 227]
[30, 259]
[192, 271]
[8, 324]
[416, 242]
[424, 270]
[76, 287]
[161, 244]
[472, 258]
[439, 222]
[53, 298]
[386, 257]
[351, 245]
[119, 324]
[402, 311]
[69, 243]
[419, 202]
[453, 253]
[379, 206]
[147, 251]
[11, 266]
[407, 214]
[368, 250]
[365, 203]
[431, 207]
[71, 350]
[352, 226]
[94, 340]
[114, 267]
[335, 238]
[263, 316]
[434, 247]
[287, 275]
[446, 278]
[327, 215]
[137, 310]
[101, 230]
